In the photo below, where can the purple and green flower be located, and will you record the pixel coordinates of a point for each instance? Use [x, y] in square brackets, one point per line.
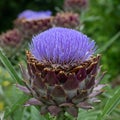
[63, 72]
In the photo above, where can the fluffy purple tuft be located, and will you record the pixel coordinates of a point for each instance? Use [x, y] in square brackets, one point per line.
[62, 46]
[33, 15]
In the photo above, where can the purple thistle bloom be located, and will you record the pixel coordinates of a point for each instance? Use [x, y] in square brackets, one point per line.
[62, 46]
[64, 72]
[34, 15]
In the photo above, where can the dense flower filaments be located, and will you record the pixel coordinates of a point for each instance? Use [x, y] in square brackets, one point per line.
[31, 22]
[66, 19]
[63, 72]
[70, 46]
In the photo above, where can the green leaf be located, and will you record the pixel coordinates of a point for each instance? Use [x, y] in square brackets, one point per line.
[22, 99]
[19, 114]
[35, 114]
[88, 115]
[10, 68]
[110, 105]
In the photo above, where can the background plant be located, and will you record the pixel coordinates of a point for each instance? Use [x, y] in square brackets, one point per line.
[101, 23]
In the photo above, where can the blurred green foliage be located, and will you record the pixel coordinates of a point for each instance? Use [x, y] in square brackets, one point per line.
[101, 24]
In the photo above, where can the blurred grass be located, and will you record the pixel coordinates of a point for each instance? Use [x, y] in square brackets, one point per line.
[110, 105]
[9, 67]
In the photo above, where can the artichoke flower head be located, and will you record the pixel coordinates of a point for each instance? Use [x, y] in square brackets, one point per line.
[67, 20]
[62, 72]
[75, 5]
[31, 22]
[34, 15]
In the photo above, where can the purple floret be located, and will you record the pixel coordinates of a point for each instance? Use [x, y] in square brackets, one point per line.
[33, 15]
[62, 46]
